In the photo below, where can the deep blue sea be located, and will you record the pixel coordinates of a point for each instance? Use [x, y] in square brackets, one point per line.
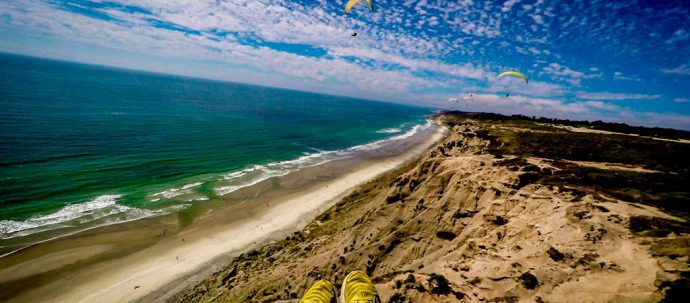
[83, 143]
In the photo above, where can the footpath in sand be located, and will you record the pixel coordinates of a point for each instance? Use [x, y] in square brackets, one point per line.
[153, 273]
[462, 225]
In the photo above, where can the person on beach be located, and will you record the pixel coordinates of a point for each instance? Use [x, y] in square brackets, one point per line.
[357, 288]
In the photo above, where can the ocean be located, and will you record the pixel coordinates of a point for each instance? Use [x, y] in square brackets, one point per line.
[84, 145]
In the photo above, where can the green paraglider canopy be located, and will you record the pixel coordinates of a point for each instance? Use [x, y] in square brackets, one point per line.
[351, 3]
[513, 73]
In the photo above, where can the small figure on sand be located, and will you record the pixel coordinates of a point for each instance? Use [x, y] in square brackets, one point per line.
[354, 35]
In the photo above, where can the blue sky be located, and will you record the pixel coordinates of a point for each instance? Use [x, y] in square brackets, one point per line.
[626, 61]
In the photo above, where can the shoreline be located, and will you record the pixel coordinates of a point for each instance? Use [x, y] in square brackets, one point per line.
[99, 212]
[165, 268]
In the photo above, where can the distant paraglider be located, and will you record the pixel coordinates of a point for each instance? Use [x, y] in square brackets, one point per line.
[515, 74]
[469, 98]
[463, 100]
[351, 3]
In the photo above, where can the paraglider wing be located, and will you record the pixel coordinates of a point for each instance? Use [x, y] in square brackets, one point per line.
[513, 73]
[452, 100]
[351, 3]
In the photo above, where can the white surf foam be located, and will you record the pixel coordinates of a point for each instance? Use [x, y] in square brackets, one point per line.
[174, 192]
[71, 215]
[104, 210]
[240, 179]
[389, 131]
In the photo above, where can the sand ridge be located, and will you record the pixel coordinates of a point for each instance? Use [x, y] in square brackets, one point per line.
[458, 226]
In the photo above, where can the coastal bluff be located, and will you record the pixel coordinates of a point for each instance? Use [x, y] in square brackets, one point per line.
[485, 217]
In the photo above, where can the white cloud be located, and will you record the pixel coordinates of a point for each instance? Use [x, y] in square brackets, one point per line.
[554, 108]
[615, 96]
[681, 100]
[564, 73]
[683, 69]
[559, 70]
[672, 120]
[620, 76]
[466, 70]
[508, 5]
[525, 106]
[600, 105]
[679, 35]
[538, 19]
[517, 86]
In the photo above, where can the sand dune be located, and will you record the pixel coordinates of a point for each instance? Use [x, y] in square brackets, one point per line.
[459, 225]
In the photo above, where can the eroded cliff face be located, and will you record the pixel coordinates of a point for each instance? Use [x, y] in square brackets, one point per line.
[461, 225]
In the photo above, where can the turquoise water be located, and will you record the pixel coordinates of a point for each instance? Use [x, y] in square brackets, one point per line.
[81, 143]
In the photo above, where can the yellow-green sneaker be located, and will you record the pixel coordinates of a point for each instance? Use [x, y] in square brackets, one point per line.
[357, 288]
[321, 292]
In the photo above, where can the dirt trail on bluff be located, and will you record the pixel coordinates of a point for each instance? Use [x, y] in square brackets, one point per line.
[460, 225]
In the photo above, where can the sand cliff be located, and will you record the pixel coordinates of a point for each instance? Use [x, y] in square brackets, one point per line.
[463, 225]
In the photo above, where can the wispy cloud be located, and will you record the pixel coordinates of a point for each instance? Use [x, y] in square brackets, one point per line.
[587, 110]
[615, 96]
[508, 5]
[680, 35]
[620, 76]
[683, 69]
[564, 73]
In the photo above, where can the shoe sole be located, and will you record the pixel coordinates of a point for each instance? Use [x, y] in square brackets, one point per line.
[341, 297]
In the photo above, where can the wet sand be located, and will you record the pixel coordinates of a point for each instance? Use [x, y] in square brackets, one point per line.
[154, 259]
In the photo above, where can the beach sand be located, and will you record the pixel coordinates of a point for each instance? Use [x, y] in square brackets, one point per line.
[154, 259]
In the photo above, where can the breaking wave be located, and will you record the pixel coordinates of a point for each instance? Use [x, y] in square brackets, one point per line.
[247, 177]
[98, 210]
[105, 209]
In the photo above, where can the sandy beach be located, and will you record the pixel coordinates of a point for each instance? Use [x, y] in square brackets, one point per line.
[166, 267]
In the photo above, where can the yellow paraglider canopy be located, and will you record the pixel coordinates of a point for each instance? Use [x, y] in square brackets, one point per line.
[513, 73]
[352, 3]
